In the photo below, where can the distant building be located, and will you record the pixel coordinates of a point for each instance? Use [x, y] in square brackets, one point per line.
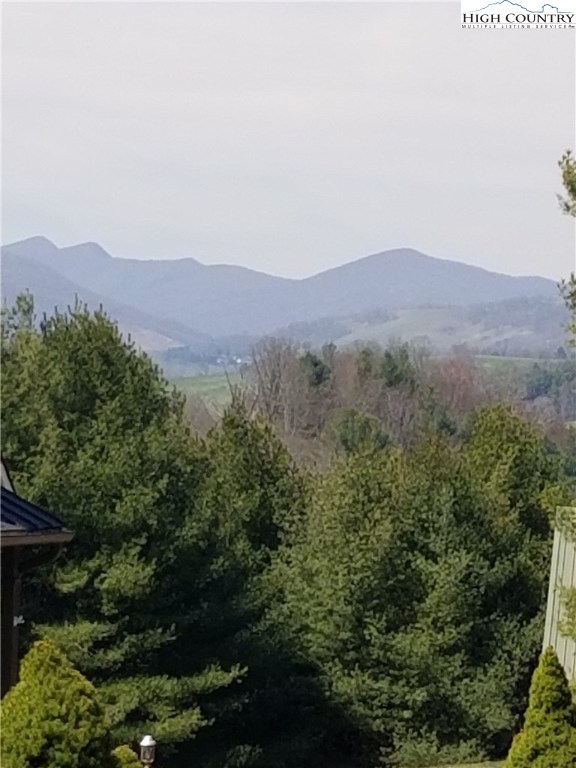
[562, 578]
[29, 537]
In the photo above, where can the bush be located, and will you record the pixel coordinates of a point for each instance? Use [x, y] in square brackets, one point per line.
[548, 739]
[52, 718]
[126, 757]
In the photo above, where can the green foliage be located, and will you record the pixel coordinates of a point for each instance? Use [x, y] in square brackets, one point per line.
[568, 204]
[21, 316]
[252, 498]
[416, 588]
[125, 757]
[354, 431]
[366, 363]
[394, 366]
[250, 482]
[317, 372]
[556, 381]
[92, 432]
[397, 368]
[52, 718]
[567, 166]
[158, 596]
[566, 523]
[248, 614]
[568, 291]
[548, 739]
[567, 624]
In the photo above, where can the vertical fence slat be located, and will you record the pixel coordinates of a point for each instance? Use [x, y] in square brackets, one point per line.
[562, 576]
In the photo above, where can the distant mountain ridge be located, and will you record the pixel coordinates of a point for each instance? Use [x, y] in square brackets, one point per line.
[545, 8]
[52, 290]
[184, 302]
[541, 9]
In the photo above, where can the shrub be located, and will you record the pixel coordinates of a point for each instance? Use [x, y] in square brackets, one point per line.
[52, 718]
[126, 757]
[548, 739]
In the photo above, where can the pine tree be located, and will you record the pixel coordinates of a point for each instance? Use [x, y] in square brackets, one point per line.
[548, 739]
[414, 587]
[249, 502]
[52, 718]
[92, 431]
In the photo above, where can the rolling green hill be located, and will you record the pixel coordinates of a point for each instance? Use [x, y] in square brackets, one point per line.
[515, 328]
[213, 389]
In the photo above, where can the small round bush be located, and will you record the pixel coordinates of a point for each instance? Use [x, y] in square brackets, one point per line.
[548, 739]
[125, 757]
[52, 718]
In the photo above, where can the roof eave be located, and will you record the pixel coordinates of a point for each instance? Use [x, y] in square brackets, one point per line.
[34, 538]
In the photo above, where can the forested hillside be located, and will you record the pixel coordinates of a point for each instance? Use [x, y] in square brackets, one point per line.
[378, 601]
[183, 310]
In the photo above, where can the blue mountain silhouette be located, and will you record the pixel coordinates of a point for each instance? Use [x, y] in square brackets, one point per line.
[546, 8]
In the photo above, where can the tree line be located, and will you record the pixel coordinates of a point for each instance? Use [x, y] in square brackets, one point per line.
[385, 608]
[324, 401]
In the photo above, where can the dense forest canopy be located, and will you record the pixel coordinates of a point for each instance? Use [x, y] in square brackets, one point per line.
[350, 567]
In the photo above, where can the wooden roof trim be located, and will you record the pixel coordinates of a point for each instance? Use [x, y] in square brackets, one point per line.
[34, 538]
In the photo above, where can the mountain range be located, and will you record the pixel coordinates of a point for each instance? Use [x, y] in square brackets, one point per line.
[509, 5]
[183, 303]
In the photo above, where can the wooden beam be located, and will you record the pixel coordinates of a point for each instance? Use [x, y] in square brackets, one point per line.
[10, 608]
[34, 539]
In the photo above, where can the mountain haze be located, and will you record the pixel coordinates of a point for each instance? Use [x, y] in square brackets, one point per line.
[52, 290]
[406, 277]
[227, 300]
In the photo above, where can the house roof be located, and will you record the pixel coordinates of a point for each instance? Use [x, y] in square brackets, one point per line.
[25, 523]
[5, 481]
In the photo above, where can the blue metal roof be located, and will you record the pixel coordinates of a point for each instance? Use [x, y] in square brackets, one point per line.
[17, 514]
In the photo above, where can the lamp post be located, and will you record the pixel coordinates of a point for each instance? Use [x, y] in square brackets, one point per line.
[147, 750]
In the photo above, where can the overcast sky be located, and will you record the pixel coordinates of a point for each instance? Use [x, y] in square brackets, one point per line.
[286, 137]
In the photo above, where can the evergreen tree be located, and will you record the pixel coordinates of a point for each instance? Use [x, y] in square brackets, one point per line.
[52, 718]
[388, 610]
[415, 586]
[252, 499]
[163, 582]
[354, 431]
[92, 432]
[548, 739]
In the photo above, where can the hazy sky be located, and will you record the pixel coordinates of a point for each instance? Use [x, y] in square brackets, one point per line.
[286, 137]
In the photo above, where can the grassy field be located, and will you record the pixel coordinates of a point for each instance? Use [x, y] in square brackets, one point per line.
[444, 327]
[522, 364]
[214, 388]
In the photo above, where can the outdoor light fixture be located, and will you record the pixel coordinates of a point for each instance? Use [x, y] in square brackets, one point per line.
[147, 750]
